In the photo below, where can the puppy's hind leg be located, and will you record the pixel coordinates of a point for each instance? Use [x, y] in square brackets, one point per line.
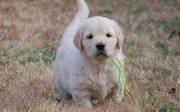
[63, 95]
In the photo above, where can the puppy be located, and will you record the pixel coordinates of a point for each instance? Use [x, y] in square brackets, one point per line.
[83, 67]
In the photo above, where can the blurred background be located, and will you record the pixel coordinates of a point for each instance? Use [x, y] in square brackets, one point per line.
[30, 32]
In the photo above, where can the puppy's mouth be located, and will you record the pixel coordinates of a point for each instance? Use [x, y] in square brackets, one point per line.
[101, 55]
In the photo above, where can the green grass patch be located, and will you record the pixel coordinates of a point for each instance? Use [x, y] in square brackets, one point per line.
[45, 55]
[165, 26]
[148, 99]
[166, 51]
[168, 107]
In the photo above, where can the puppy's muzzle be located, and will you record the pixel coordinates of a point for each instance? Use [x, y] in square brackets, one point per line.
[100, 50]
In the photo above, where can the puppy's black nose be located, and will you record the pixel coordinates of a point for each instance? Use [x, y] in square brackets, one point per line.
[100, 47]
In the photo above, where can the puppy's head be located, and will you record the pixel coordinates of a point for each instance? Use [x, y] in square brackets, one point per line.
[99, 38]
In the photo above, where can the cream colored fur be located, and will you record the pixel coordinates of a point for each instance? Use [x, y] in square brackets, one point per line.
[78, 70]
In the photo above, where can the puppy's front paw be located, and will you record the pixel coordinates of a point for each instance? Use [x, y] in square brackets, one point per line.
[118, 98]
[81, 98]
[87, 104]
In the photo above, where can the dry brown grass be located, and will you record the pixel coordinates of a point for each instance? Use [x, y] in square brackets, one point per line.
[30, 31]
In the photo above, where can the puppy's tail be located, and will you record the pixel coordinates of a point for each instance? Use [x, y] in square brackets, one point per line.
[81, 15]
[83, 11]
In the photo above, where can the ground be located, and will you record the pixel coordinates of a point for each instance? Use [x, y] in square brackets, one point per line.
[30, 34]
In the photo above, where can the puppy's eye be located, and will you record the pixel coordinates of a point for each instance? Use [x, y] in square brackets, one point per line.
[108, 35]
[90, 36]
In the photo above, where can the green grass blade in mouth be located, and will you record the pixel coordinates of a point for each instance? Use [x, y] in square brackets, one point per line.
[122, 74]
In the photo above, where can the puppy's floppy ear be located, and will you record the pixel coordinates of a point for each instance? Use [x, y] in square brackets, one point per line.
[78, 40]
[119, 35]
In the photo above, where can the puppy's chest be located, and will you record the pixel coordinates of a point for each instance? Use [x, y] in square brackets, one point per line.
[101, 82]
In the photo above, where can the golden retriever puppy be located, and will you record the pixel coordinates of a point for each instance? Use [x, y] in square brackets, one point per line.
[83, 67]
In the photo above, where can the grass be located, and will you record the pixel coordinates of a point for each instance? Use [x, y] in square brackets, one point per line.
[168, 107]
[135, 56]
[166, 51]
[147, 100]
[163, 48]
[30, 32]
[44, 55]
[161, 74]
